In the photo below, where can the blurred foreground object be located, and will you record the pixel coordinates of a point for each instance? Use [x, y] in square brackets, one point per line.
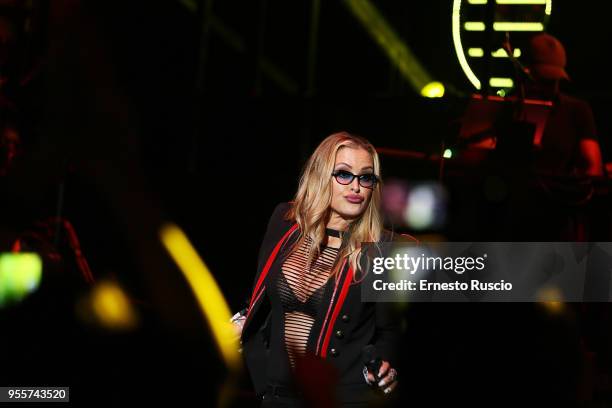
[20, 275]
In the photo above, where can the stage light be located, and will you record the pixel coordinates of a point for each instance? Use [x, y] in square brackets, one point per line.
[522, 18]
[474, 26]
[20, 275]
[517, 26]
[391, 43]
[207, 292]
[426, 207]
[456, 29]
[501, 82]
[433, 90]
[501, 53]
[476, 52]
[522, 2]
[111, 307]
[554, 307]
[551, 298]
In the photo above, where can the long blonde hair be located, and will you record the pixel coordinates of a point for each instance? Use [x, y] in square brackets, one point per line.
[311, 207]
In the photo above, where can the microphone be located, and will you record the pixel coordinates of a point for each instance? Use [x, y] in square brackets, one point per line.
[520, 68]
[371, 360]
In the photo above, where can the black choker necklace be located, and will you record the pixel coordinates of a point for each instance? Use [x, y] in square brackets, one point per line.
[333, 233]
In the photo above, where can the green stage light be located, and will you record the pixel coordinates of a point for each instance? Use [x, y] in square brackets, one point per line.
[20, 274]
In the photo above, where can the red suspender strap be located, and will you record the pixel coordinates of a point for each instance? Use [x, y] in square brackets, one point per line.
[267, 266]
[345, 287]
[261, 292]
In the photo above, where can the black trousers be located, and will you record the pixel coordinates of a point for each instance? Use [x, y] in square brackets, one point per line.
[277, 401]
[273, 400]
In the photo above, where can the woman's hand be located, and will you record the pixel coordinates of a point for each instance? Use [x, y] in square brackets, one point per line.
[387, 376]
[237, 322]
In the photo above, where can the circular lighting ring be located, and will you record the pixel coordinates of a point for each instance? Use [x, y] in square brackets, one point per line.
[456, 31]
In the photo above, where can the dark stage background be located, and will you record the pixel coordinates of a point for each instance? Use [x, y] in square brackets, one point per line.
[203, 113]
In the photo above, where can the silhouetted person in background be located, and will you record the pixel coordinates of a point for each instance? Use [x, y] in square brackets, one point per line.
[544, 151]
[569, 144]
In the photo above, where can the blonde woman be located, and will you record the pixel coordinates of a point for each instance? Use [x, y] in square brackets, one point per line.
[306, 301]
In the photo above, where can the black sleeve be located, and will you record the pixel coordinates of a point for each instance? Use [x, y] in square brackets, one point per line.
[388, 318]
[388, 328]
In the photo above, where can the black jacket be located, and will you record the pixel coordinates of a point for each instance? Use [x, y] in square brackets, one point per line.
[344, 326]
